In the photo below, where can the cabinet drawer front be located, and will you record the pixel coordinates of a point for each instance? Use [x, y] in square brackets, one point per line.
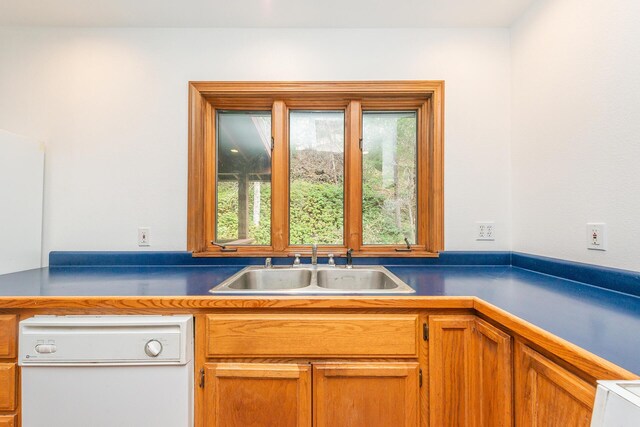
[8, 333]
[7, 420]
[322, 335]
[7, 386]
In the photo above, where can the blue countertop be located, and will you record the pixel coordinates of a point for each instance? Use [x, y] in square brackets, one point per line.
[602, 321]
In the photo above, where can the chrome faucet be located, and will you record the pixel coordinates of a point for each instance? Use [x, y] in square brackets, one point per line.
[349, 258]
[314, 254]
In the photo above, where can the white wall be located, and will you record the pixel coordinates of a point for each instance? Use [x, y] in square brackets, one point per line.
[21, 186]
[112, 104]
[576, 129]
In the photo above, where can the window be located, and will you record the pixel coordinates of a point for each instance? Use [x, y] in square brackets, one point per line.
[243, 178]
[316, 177]
[275, 167]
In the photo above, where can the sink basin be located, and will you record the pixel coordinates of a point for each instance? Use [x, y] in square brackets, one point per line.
[355, 279]
[272, 279]
[313, 280]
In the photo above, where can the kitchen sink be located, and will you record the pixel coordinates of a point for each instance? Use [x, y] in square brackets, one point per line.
[309, 279]
[354, 280]
[271, 278]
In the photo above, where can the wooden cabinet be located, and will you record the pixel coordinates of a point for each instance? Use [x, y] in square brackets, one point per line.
[359, 394]
[492, 377]
[469, 373]
[547, 394]
[366, 370]
[257, 394]
[7, 386]
[8, 332]
[7, 420]
[365, 394]
[450, 341]
[353, 394]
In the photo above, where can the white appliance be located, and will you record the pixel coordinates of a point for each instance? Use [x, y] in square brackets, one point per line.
[107, 371]
[617, 404]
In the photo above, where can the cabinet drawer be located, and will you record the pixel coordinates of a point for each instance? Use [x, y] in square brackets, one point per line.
[321, 335]
[7, 386]
[8, 333]
[7, 420]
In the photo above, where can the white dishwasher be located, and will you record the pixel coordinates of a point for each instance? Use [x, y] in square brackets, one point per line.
[107, 371]
[617, 404]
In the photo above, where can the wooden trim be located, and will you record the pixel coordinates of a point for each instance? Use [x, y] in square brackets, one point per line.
[589, 363]
[280, 178]
[344, 88]
[353, 176]
[196, 177]
[426, 97]
[436, 170]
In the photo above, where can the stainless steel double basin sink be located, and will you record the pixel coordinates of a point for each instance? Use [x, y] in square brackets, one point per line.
[313, 280]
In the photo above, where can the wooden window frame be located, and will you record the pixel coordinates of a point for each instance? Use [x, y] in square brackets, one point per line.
[426, 97]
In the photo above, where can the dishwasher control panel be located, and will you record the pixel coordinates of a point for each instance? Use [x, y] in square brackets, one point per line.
[77, 340]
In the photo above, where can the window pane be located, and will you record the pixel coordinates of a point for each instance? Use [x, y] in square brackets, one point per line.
[243, 178]
[316, 187]
[389, 202]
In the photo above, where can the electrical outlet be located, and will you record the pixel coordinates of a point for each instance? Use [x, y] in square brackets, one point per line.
[143, 236]
[485, 231]
[597, 236]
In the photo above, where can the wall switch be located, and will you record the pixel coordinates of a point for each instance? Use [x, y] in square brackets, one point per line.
[485, 231]
[143, 236]
[597, 236]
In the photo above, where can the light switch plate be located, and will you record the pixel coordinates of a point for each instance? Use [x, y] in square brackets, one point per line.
[597, 236]
[143, 236]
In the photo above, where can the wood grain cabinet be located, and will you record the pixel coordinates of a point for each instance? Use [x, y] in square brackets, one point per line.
[332, 349]
[366, 370]
[7, 386]
[8, 332]
[7, 421]
[280, 394]
[257, 394]
[470, 373]
[365, 394]
[322, 335]
[549, 395]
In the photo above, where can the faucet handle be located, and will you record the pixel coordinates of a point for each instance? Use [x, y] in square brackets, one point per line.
[268, 263]
[332, 262]
[296, 261]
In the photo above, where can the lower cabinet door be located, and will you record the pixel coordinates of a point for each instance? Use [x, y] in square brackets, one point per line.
[451, 350]
[547, 395]
[7, 386]
[7, 420]
[365, 394]
[469, 373]
[257, 394]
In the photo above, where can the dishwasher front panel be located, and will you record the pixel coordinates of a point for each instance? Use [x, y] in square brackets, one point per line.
[107, 371]
[108, 396]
